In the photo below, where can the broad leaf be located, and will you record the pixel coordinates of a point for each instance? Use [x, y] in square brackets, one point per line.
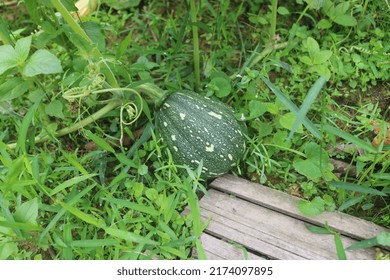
[22, 48]
[311, 208]
[312, 47]
[42, 62]
[345, 20]
[316, 163]
[8, 58]
[27, 212]
[322, 57]
[54, 109]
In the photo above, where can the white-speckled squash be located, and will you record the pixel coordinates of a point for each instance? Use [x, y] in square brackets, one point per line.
[198, 128]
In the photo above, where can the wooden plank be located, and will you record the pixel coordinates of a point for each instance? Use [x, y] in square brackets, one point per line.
[217, 249]
[287, 204]
[268, 232]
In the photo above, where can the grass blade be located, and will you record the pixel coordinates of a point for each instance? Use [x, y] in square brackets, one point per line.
[350, 202]
[71, 182]
[99, 141]
[94, 243]
[134, 206]
[81, 215]
[339, 247]
[368, 243]
[22, 226]
[129, 236]
[200, 250]
[292, 107]
[356, 188]
[60, 213]
[23, 131]
[318, 230]
[307, 102]
[175, 252]
[348, 137]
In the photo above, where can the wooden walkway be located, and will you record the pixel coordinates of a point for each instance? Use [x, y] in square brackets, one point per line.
[251, 221]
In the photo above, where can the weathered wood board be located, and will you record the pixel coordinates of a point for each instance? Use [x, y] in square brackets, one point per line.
[268, 224]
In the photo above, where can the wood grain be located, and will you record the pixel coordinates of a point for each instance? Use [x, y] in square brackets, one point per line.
[268, 232]
[284, 203]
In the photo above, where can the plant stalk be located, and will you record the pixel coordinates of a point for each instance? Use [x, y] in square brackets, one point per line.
[274, 10]
[77, 29]
[195, 36]
[99, 114]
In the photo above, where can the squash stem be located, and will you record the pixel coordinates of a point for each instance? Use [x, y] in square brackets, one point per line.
[99, 114]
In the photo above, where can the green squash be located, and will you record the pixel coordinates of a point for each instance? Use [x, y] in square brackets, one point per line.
[197, 128]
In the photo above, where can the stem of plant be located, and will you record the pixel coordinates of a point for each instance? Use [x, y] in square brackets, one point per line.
[196, 44]
[151, 90]
[273, 19]
[99, 114]
[77, 28]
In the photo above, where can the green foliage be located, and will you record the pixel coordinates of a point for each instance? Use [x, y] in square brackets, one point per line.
[83, 174]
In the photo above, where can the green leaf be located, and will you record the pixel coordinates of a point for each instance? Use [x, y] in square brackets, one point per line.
[7, 249]
[312, 47]
[129, 236]
[291, 106]
[356, 188]
[324, 24]
[321, 69]
[134, 206]
[23, 131]
[256, 109]
[27, 212]
[316, 163]
[283, 11]
[71, 182]
[8, 58]
[339, 247]
[342, 8]
[42, 62]
[348, 137]
[345, 20]
[307, 102]
[57, 217]
[322, 57]
[384, 239]
[22, 226]
[381, 239]
[311, 208]
[13, 88]
[350, 203]
[122, 4]
[22, 48]
[123, 46]
[151, 194]
[92, 243]
[54, 109]
[318, 230]
[99, 141]
[222, 86]
[305, 59]
[288, 120]
[82, 216]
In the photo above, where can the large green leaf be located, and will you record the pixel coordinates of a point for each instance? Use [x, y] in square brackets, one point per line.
[27, 212]
[42, 62]
[8, 58]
